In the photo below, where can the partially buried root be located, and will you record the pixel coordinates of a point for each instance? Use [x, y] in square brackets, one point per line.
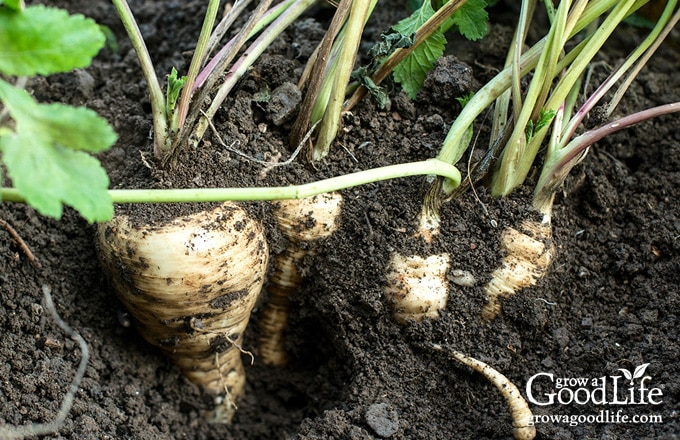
[529, 253]
[191, 283]
[522, 417]
[303, 223]
[417, 287]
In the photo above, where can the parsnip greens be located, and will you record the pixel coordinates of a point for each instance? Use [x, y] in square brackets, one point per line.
[471, 22]
[45, 146]
[46, 155]
[42, 40]
[543, 110]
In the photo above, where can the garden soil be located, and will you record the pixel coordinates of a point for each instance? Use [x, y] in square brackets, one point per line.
[609, 302]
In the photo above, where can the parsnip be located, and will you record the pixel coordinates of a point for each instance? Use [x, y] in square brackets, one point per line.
[191, 283]
[529, 253]
[522, 417]
[302, 222]
[417, 286]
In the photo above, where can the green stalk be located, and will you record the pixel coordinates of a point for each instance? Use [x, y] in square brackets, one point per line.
[515, 55]
[515, 168]
[324, 94]
[451, 149]
[330, 123]
[564, 153]
[663, 27]
[639, 57]
[604, 31]
[558, 165]
[426, 167]
[194, 68]
[516, 153]
[499, 120]
[156, 97]
[246, 60]
[314, 76]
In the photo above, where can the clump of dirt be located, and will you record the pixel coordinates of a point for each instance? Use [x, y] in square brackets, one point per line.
[609, 302]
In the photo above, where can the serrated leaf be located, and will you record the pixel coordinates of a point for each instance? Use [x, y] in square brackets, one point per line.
[48, 175]
[42, 40]
[44, 156]
[78, 128]
[175, 85]
[410, 73]
[410, 24]
[463, 100]
[471, 19]
[544, 119]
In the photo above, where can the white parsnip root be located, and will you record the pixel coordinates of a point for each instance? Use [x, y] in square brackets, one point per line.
[417, 287]
[191, 283]
[529, 253]
[303, 222]
[522, 417]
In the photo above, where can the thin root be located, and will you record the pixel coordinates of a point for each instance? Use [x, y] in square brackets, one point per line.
[197, 326]
[19, 432]
[241, 349]
[230, 402]
[522, 417]
[254, 159]
[22, 244]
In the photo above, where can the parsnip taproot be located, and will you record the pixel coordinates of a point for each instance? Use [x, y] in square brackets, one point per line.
[190, 283]
[522, 417]
[302, 222]
[417, 287]
[529, 252]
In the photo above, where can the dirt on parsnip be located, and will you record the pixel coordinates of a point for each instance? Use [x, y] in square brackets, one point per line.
[610, 301]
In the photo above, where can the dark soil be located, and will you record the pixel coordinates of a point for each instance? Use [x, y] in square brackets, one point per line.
[610, 300]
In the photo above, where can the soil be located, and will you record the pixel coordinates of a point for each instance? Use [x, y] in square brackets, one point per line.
[610, 300]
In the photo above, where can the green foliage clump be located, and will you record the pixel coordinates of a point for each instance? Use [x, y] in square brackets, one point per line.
[46, 147]
[470, 20]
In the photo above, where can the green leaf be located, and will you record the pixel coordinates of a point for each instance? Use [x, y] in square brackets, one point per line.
[544, 119]
[78, 128]
[388, 44]
[42, 40]
[410, 73]
[175, 85]
[471, 19]
[111, 42]
[48, 174]
[463, 100]
[378, 93]
[15, 5]
[45, 159]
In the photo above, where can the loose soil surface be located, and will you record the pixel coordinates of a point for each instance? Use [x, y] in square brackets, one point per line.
[609, 302]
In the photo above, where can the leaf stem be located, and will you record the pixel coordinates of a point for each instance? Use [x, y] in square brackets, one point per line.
[331, 121]
[195, 66]
[156, 97]
[239, 68]
[426, 167]
[559, 164]
[431, 25]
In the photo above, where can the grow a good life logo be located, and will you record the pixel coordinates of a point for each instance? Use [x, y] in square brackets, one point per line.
[624, 388]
